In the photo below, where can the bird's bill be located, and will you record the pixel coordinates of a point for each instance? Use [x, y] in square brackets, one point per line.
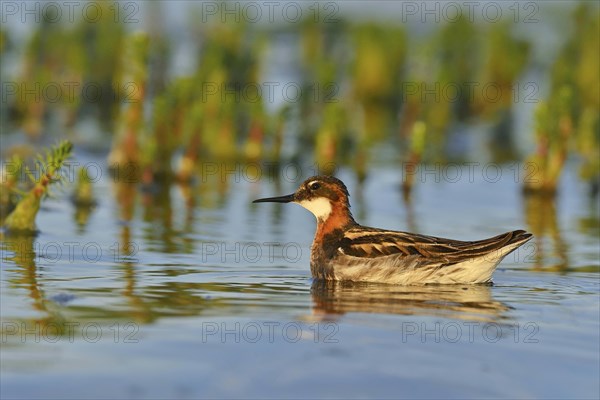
[280, 199]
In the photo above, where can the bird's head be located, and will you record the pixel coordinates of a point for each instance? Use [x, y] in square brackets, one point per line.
[324, 196]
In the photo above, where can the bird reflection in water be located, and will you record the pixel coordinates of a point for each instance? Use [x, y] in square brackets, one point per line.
[331, 299]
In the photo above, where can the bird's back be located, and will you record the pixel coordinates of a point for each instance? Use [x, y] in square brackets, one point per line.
[377, 255]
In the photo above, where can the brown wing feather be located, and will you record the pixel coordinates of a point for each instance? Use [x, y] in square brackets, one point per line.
[372, 242]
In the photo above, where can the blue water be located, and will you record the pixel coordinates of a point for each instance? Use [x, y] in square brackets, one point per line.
[187, 292]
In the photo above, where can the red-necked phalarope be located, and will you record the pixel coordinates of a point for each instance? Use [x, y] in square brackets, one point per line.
[343, 250]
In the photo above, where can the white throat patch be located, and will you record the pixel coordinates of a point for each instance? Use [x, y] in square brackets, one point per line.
[320, 207]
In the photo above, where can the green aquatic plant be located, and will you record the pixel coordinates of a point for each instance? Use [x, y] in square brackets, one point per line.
[426, 100]
[104, 42]
[279, 123]
[577, 63]
[505, 58]
[60, 62]
[322, 65]
[83, 195]
[577, 67]
[588, 146]
[192, 133]
[415, 154]
[126, 144]
[553, 129]
[329, 137]
[214, 113]
[22, 218]
[457, 49]
[36, 72]
[376, 74]
[570, 114]
[257, 121]
[57, 62]
[166, 127]
[9, 180]
[378, 62]
[72, 74]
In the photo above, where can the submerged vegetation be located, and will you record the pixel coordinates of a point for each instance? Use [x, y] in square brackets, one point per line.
[568, 120]
[356, 86]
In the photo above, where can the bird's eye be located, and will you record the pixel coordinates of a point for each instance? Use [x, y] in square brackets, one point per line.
[314, 186]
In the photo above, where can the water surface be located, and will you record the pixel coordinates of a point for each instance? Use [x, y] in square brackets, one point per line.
[192, 291]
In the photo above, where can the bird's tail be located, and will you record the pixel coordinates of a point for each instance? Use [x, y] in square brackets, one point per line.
[516, 240]
[502, 245]
[486, 254]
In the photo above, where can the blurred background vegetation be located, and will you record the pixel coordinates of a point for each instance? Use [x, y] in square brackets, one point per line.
[333, 87]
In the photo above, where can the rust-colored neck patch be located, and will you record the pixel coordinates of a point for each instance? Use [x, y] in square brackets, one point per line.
[340, 218]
